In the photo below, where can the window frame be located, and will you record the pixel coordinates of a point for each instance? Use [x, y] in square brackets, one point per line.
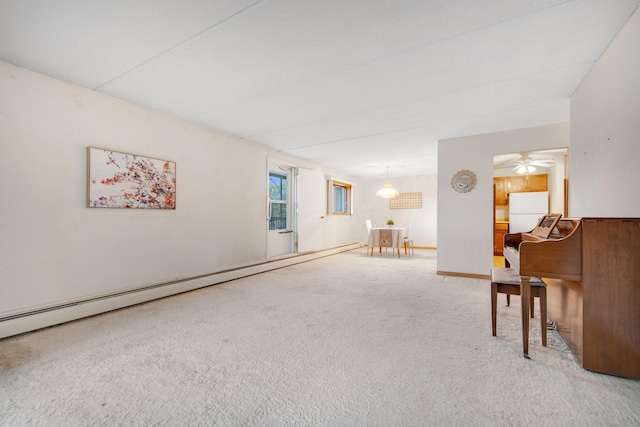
[282, 202]
[345, 201]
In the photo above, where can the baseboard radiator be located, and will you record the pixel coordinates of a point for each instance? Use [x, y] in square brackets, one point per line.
[27, 321]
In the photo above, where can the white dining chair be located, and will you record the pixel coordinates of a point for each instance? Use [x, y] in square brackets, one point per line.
[369, 240]
[407, 241]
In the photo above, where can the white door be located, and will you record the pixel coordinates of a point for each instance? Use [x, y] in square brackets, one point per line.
[312, 199]
[280, 212]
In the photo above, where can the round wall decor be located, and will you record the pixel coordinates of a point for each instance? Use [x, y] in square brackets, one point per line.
[463, 181]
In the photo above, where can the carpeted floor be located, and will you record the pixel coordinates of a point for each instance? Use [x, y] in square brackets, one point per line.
[347, 340]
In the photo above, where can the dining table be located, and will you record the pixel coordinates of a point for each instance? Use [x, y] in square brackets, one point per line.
[387, 237]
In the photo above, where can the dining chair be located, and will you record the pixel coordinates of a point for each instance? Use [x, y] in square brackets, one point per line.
[407, 242]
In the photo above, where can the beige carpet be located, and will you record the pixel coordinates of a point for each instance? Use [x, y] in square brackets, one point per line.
[347, 340]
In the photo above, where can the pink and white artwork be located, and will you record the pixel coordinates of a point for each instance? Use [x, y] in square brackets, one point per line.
[119, 180]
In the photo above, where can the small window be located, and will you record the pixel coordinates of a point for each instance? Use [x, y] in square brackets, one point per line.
[278, 202]
[340, 193]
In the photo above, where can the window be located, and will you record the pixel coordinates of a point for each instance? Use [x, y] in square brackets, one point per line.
[278, 202]
[340, 193]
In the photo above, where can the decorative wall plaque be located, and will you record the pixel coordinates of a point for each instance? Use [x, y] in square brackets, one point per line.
[463, 181]
[406, 201]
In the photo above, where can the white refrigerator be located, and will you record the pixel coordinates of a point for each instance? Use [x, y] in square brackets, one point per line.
[525, 209]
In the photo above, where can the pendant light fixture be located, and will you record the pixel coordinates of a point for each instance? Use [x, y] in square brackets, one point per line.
[387, 191]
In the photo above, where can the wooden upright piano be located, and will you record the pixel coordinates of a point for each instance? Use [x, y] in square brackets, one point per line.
[592, 270]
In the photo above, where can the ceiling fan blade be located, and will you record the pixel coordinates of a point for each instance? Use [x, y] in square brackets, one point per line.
[523, 159]
[505, 165]
[542, 163]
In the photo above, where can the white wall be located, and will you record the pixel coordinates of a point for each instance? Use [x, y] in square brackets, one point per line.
[425, 220]
[605, 132]
[465, 220]
[556, 175]
[55, 250]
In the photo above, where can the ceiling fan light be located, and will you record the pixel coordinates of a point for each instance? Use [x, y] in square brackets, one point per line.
[521, 169]
[530, 169]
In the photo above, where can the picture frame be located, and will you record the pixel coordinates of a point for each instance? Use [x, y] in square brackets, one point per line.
[120, 180]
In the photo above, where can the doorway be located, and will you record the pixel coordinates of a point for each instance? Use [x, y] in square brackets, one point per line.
[526, 172]
[280, 218]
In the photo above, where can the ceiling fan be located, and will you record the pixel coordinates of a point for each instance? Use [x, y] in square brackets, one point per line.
[525, 164]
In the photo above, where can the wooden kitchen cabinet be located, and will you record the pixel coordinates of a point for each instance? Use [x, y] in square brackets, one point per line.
[518, 184]
[501, 228]
[502, 185]
[537, 183]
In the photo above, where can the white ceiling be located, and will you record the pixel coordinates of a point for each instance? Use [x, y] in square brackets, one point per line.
[352, 85]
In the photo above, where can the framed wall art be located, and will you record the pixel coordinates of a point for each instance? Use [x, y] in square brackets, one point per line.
[120, 180]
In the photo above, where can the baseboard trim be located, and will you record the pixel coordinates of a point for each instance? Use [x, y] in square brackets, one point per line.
[469, 275]
[431, 248]
[21, 322]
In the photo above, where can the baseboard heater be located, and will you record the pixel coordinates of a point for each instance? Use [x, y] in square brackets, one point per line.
[27, 321]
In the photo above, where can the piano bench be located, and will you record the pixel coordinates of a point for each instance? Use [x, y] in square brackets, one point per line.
[507, 281]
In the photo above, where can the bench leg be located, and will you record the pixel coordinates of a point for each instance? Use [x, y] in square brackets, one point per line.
[543, 315]
[525, 294]
[531, 306]
[494, 303]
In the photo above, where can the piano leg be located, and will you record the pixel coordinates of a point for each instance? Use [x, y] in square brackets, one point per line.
[525, 295]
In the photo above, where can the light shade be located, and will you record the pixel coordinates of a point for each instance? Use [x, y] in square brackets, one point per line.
[525, 169]
[387, 191]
